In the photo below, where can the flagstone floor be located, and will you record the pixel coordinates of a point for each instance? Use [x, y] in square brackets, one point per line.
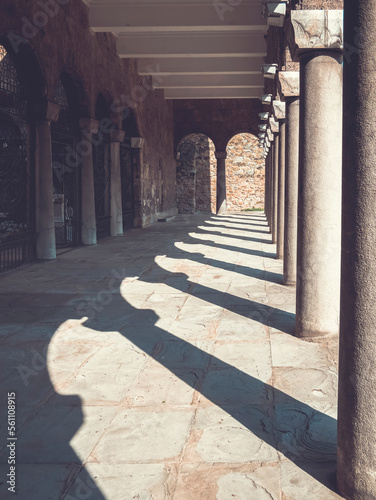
[162, 365]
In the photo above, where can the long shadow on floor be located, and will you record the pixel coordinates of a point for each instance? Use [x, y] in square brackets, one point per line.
[247, 251]
[48, 422]
[251, 272]
[234, 228]
[233, 236]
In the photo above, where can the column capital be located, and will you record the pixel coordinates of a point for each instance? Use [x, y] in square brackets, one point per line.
[221, 155]
[89, 125]
[279, 108]
[137, 142]
[117, 135]
[311, 30]
[289, 82]
[274, 125]
[47, 111]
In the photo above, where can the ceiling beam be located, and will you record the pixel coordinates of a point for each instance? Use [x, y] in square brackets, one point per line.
[201, 45]
[200, 65]
[230, 81]
[213, 93]
[156, 17]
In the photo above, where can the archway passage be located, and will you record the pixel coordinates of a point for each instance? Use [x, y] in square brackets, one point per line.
[196, 174]
[65, 135]
[245, 173]
[17, 201]
[102, 170]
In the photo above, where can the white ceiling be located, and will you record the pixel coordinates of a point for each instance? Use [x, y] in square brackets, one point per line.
[193, 49]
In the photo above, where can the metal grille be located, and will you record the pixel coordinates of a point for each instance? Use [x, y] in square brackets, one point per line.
[66, 175]
[126, 168]
[102, 172]
[17, 207]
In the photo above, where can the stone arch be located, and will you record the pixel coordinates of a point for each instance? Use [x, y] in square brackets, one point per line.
[75, 86]
[196, 174]
[22, 102]
[245, 172]
[29, 70]
[65, 137]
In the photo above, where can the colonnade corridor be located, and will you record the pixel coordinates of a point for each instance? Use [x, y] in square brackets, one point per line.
[162, 365]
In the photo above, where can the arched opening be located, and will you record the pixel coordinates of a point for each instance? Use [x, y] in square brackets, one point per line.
[245, 173]
[102, 168]
[196, 175]
[65, 135]
[127, 169]
[17, 158]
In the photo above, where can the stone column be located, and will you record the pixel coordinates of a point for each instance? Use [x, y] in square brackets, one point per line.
[45, 219]
[279, 108]
[320, 162]
[221, 182]
[267, 187]
[117, 136]
[289, 82]
[271, 190]
[275, 188]
[137, 144]
[89, 226]
[357, 369]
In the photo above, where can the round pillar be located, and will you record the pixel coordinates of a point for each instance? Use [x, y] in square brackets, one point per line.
[319, 205]
[281, 191]
[357, 370]
[275, 188]
[221, 182]
[45, 220]
[291, 191]
[89, 225]
[116, 227]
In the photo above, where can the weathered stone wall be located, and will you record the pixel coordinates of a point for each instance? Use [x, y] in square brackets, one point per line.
[245, 173]
[65, 43]
[196, 169]
[193, 185]
[219, 119]
[318, 4]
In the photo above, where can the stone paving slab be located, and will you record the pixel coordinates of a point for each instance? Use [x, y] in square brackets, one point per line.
[162, 365]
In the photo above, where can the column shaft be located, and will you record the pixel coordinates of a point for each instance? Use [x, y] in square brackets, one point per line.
[221, 182]
[116, 201]
[357, 369]
[45, 220]
[266, 187]
[281, 190]
[319, 205]
[275, 188]
[271, 189]
[89, 226]
[291, 191]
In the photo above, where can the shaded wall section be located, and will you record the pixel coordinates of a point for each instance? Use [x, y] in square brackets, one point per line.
[194, 168]
[219, 119]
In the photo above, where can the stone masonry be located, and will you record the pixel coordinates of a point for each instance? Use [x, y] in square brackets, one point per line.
[197, 177]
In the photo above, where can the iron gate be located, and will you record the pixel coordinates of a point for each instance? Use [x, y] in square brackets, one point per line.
[17, 202]
[66, 174]
[102, 177]
[127, 194]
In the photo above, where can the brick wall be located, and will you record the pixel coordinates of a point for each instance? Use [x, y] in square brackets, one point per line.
[245, 173]
[66, 44]
[196, 174]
